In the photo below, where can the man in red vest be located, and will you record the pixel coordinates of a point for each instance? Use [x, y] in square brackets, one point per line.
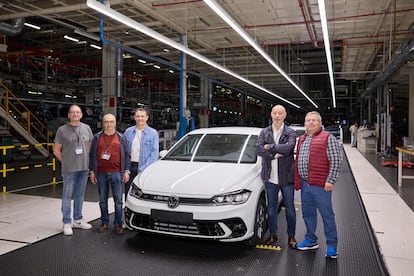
[317, 163]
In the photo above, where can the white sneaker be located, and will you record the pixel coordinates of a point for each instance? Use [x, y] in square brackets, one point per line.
[67, 229]
[81, 224]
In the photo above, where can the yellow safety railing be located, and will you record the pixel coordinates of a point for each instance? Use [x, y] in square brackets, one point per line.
[16, 108]
[6, 169]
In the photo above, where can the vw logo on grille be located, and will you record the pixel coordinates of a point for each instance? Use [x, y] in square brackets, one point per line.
[173, 202]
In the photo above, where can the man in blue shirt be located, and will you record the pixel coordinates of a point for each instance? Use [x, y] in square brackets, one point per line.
[143, 143]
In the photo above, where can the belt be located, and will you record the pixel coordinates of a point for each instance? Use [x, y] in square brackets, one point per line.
[134, 163]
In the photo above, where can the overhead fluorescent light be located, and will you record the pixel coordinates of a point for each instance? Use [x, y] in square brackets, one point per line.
[71, 38]
[171, 71]
[166, 50]
[157, 66]
[143, 29]
[34, 92]
[324, 22]
[226, 17]
[142, 61]
[96, 46]
[32, 26]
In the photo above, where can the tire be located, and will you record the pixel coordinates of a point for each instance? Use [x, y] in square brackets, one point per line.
[260, 222]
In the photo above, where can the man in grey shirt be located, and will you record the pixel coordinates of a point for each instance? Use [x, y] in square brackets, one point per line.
[72, 144]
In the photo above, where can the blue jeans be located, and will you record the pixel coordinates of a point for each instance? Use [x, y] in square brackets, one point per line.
[315, 198]
[74, 184]
[115, 181]
[288, 192]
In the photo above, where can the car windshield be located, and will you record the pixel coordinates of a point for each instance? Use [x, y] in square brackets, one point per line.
[299, 129]
[228, 148]
[300, 132]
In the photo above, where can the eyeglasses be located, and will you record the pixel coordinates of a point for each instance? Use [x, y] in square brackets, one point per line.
[75, 112]
[312, 120]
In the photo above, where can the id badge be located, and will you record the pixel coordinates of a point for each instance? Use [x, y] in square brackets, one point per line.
[106, 156]
[78, 150]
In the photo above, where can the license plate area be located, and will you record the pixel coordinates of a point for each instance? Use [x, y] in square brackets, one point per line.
[172, 217]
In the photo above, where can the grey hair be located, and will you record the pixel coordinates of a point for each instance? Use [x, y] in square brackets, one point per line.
[314, 113]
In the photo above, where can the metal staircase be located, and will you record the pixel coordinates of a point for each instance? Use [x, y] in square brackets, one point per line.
[22, 120]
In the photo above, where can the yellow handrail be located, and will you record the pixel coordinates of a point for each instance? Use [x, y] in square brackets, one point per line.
[14, 106]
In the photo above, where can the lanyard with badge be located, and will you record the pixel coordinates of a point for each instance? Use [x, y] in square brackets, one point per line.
[78, 149]
[106, 155]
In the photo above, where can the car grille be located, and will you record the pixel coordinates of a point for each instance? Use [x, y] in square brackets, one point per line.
[183, 200]
[209, 228]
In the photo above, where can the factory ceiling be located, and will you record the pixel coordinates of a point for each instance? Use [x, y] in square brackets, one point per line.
[364, 37]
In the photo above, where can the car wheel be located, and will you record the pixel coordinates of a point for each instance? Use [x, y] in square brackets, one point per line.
[260, 222]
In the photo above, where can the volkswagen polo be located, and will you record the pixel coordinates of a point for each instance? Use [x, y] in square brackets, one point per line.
[206, 186]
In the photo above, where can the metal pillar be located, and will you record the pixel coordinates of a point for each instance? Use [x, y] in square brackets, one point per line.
[184, 116]
[205, 90]
[109, 86]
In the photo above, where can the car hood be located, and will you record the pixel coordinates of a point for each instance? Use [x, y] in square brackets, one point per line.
[203, 179]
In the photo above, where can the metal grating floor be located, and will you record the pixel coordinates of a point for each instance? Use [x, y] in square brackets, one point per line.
[92, 253]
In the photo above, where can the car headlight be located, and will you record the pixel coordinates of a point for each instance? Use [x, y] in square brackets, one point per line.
[237, 197]
[135, 191]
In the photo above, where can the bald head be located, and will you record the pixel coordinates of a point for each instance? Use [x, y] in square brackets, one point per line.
[278, 115]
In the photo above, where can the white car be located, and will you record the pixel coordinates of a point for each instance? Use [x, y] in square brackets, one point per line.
[206, 186]
[300, 130]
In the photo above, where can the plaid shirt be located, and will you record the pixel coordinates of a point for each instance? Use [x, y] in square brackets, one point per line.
[333, 153]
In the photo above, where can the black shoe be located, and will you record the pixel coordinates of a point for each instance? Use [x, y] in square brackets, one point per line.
[119, 230]
[271, 239]
[103, 228]
[292, 242]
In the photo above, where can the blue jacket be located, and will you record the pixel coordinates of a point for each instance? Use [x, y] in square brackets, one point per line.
[125, 154]
[149, 145]
[285, 147]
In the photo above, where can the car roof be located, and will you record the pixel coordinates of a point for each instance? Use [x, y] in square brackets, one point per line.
[228, 130]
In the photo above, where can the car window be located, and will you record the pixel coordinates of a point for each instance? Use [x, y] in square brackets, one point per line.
[184, 149]
[300, 132]
[229, 148]
[249, 154]
[221, 148]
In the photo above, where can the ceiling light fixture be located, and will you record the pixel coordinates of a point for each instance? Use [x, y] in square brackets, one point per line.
[156, 66]
[226, 17]
[71, 38]
[324, 22]
[96, 46]
[142, 61]
[32, 26]
[143, 29]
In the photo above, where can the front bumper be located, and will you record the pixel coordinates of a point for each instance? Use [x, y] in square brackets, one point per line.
[224, 223]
